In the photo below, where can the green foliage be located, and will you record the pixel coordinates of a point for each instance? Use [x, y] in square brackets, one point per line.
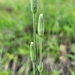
[16, 32]
[5, 73]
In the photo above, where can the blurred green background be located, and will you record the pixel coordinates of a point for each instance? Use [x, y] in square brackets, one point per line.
[16, 33]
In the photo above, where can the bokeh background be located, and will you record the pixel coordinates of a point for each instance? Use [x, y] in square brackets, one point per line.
[16, 33]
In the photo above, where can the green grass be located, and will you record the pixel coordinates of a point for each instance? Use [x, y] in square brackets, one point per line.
[16, 34]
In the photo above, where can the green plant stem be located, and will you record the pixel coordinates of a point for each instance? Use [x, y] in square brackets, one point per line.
[33, 68]
[40, 73]
[40, 48]
[35, 46]
[34, 33]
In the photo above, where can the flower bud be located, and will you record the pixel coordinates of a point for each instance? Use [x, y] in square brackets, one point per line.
[31, 51]
[41, 25]
[34, 6]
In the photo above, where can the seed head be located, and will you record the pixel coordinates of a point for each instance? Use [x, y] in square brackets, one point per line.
[41, 25]
[34, 5]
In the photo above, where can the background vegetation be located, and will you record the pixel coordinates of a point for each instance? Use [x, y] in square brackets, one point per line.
[16, 35]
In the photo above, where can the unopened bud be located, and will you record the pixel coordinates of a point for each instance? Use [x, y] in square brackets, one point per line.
[41, 25]
[32, 51]
[33, 6]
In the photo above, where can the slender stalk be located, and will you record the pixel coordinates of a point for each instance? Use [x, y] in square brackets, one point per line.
[34, 34]
[41, 34]
[41, 73]
[35, 46]
[40, 48]
[34, 69]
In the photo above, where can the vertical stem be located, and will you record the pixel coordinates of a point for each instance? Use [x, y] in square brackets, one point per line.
[40, 48]
[41, 73]
[33, 68]
[34, 33]
[34, 37]
[35, 46]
